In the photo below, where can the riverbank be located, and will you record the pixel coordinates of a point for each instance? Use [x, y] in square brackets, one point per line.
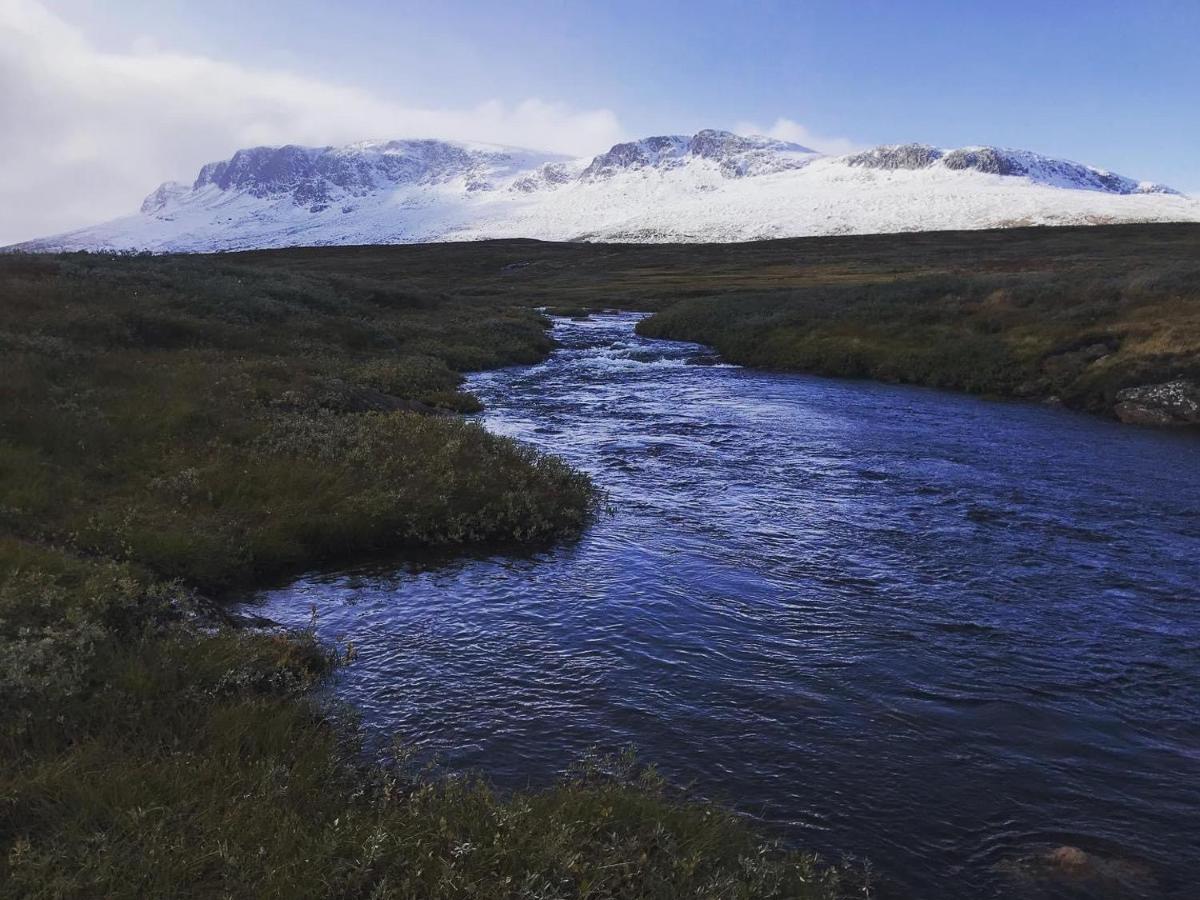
[813, 598]
[176, 429]
[1121, 339]
[1104, 318]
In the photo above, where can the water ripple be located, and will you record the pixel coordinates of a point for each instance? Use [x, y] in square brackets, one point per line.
[943, 633]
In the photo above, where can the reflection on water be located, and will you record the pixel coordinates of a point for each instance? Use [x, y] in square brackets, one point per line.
[947, 634]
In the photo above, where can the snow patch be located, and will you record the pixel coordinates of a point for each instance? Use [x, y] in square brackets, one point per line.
[710, 186]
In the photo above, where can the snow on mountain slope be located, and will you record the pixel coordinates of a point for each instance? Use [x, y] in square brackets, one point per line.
[711, 186]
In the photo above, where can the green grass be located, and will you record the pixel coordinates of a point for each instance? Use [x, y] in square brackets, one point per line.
[1044, 335]
[222, 423]
[140, 756]
[175, 429]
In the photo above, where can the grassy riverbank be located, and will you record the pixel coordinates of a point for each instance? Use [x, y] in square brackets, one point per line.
[1083, 319]
[144, 757]
[172, 429]
[1075, 314]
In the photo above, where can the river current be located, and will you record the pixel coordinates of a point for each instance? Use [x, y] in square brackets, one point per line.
[945, 634]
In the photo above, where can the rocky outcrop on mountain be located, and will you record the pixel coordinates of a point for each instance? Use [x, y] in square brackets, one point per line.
[1010, 163]
[734, 156]
[660, 151]
[316, 177]
[1061, 173]
[741, 157]
[988, 160]
[1172, 403]
[897, 156]
[549, 176]
[166, 193]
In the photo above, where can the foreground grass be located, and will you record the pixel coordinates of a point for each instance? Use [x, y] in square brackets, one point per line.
[174, 428]
[142, 757]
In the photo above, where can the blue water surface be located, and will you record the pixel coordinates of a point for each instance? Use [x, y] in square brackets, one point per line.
[939, 632]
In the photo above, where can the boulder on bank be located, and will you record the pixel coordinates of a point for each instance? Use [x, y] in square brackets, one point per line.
[1172, 403]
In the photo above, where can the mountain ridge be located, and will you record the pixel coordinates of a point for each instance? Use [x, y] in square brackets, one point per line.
[709, 186]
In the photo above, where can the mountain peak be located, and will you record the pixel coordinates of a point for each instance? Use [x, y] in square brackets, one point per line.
[735, 155]
[1006, 162]
[316, 177]
[713, 185]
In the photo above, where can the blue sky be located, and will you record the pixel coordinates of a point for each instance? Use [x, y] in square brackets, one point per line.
[1113, 84]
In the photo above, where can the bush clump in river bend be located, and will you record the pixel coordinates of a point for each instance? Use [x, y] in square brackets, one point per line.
[220, 423]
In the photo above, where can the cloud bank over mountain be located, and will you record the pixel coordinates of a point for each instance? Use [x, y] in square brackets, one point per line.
[84, 129]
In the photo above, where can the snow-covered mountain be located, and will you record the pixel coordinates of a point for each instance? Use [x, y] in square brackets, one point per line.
[711, 186]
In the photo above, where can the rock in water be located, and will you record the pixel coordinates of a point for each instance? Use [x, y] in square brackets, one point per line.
[1045, 873]
[1067, 859]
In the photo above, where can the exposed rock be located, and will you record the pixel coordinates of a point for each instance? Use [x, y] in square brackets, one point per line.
[314, 176]
[740, 156]
[898, 156]
[1171, 403]
[1094, 873]
[652, 151]
[735, 155]
[1067, 859]
[1045, 170]
[984, 159]
[551, 175]
[166, 193]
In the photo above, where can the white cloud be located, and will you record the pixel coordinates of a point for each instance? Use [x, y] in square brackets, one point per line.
[85, 134]
[787, 130]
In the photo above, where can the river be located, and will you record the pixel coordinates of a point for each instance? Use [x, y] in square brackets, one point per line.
[942, 633]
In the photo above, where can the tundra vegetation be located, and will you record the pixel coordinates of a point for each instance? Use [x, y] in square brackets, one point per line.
[1077, 331]
[175, 430]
